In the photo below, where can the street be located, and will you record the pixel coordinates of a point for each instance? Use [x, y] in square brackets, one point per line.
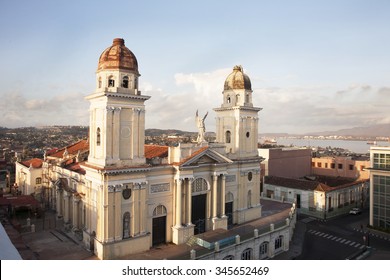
[343, 238]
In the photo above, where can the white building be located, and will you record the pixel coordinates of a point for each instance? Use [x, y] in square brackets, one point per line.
[122, 196]
[321, 197]
[28, 177]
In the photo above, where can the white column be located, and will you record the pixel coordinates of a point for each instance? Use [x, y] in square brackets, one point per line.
[66, 210]
[223, 195]
[142, 208]
[178, 202]
[215, 200]
[189, 201]
[92, 133]
[136, 214]
[105, 224]
[118, 213]
[75, 218]
[116, 133]
[108, 133]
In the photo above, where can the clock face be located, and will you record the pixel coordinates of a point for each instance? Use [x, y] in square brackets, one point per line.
[126, 193]
[125, 132]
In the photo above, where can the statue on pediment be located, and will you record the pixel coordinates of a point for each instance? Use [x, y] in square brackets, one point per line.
[201, 127]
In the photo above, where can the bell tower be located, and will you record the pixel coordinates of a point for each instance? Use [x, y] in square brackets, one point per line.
[237, 118]
[117, 110]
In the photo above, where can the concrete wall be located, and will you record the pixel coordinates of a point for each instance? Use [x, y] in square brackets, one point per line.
[254, 243]
[289, 162]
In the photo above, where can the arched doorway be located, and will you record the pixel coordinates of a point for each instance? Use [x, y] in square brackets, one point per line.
[199, 199]
[229, 208]
[159, 225]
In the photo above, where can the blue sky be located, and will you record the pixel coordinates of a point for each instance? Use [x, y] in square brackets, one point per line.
[314, 65]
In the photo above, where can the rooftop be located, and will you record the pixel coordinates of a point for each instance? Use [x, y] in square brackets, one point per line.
[34, 162]
[320, 183]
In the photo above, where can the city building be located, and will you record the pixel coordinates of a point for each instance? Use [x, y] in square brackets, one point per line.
[286, 162]
[28, 177]
[120, 196]
[341, 166]
[380, 187]
[318, 196]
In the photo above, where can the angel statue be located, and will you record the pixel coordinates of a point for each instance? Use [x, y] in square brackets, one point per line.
[201, 127]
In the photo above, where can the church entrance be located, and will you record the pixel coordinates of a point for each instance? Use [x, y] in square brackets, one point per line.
[159, 233]
[229, 213]
[159, 225]
[198, 215]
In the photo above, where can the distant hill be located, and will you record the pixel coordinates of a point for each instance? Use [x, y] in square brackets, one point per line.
[175, 132]
[159, 132]
[379, 130]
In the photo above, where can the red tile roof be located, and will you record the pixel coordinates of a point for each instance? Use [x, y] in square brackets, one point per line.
[82, 145]
[192, 155]
[319, 184]
[35, 162]
[20, 200]
[294, 183]
[75, 167]
[153, 151]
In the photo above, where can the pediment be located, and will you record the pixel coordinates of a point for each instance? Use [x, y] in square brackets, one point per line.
[207, 156]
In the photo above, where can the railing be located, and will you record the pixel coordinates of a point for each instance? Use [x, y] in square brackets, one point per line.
[248, 235]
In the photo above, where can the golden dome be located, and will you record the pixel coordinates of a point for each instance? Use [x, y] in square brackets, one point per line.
[238, 80]
[118, 57]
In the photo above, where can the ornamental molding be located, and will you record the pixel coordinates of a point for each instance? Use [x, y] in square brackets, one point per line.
[158, 188]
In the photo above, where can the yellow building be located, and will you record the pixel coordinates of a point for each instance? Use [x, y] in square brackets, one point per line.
[123, 196]
[341, 166]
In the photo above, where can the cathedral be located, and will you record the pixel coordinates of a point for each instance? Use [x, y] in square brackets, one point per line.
[123, 197]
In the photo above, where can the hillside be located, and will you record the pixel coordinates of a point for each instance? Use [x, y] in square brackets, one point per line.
[380, 130]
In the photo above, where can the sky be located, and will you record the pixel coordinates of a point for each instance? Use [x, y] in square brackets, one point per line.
[314, 65]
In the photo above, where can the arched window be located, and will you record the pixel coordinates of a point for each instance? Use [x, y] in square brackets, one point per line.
[247, 254]
[228, 136]
[126, 225]
[160, 211]
[199, 185]
[229, 197]
[98, 136]
[279, 243]
[249, 202]
[125, 82]
[228, 100]
[247, 98]
[100, 82]
[111, 81]
[263, 251]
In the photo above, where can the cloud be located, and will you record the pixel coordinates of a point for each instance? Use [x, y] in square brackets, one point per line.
[195, 91]
[291, 109]
[297, 109]
[312, 109]
[384, 91]
[18, 110]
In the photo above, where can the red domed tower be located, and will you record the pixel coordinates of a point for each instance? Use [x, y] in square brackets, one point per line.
[117, 110]
[237, 119]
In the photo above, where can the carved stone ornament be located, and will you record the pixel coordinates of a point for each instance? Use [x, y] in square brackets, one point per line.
[126, 193]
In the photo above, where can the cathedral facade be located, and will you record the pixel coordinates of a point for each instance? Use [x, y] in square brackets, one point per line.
[138, 196]
[121, 197]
